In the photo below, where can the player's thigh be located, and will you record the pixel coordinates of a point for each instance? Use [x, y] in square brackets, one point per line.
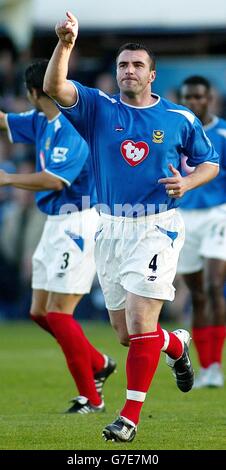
[215, 273]
[62, 303]
[39, 302]
[195, 282]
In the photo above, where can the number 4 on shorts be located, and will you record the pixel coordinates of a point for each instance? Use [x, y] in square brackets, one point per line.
[153, 263]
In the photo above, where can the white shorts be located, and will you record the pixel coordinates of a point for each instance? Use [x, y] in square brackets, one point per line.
[205, 237]
[64, 258]
[138, 255]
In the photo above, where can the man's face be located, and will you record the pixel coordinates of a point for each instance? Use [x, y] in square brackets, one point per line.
[196, 98]
[133, 72]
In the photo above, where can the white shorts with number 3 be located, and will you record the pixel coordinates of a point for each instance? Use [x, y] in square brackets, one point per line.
[64, 258]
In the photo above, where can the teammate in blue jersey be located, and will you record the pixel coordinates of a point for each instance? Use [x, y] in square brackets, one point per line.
[202, 260]
[63, 263]
[136, 141]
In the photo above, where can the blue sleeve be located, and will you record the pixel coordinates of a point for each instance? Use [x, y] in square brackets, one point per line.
[82, 114]
[22, 127]
[198, 147]
[223, 151]
[68, 155]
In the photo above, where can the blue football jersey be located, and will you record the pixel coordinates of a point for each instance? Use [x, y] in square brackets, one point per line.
[132, 147]
[213, 193]
[61, 151]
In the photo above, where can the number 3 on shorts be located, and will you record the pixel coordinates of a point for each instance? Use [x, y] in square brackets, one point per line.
[66, 256]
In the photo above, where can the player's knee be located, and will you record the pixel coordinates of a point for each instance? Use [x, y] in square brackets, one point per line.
[38, 312]
[121, 333]
[55, 305]
[214, 288]
[124, 341]
[198, 297]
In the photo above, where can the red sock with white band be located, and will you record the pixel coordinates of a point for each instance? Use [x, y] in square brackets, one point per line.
[142, 362]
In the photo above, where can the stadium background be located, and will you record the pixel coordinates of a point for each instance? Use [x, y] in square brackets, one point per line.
[187, 38]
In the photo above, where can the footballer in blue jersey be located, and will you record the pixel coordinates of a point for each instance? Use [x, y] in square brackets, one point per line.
[63, 265]
[202, 259]
[136, 141]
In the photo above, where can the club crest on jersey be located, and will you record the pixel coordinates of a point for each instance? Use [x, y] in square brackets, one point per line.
[134, 152]
[157, 136]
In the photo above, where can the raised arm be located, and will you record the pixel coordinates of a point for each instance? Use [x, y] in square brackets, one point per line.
[55, 81]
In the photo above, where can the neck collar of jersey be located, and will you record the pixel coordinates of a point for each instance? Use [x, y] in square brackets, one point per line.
[211, 124]
[143, 107]
[55, 117]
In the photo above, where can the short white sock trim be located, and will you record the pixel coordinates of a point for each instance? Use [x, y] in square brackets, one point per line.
[128, 421]
[136, 396]
[166, 340]
[145, 337]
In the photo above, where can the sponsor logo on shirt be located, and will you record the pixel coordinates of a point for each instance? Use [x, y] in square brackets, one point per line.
[59, 154]
[134, 152]
[158, 137]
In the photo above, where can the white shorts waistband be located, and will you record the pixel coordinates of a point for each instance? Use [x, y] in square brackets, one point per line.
[72, 215]
[135, 220]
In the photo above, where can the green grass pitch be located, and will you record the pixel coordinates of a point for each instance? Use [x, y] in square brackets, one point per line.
[36, 386]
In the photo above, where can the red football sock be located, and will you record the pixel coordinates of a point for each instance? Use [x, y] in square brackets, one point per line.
[76, 352]
[172, 344]
[217, 340]
[97, 359]
[202, 340]
[142, 361]
[42, 322]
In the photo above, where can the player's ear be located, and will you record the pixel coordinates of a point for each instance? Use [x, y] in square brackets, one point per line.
[152, 75]
[34, 93]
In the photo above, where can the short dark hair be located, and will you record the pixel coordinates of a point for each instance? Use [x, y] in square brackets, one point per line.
[34, 75]
[135, 46]
[197, 80]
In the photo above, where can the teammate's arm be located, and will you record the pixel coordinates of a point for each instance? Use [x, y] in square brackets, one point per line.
[181, 184]
[41, 181]
[55, 81]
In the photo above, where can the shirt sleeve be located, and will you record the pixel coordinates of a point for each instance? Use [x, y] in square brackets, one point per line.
[22, 127]
[198, 147]
[223, 155]
[82, 113]
[68, 155]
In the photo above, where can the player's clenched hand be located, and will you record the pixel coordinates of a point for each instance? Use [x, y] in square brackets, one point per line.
[67, 30]
[3, 178]
[174, 185]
